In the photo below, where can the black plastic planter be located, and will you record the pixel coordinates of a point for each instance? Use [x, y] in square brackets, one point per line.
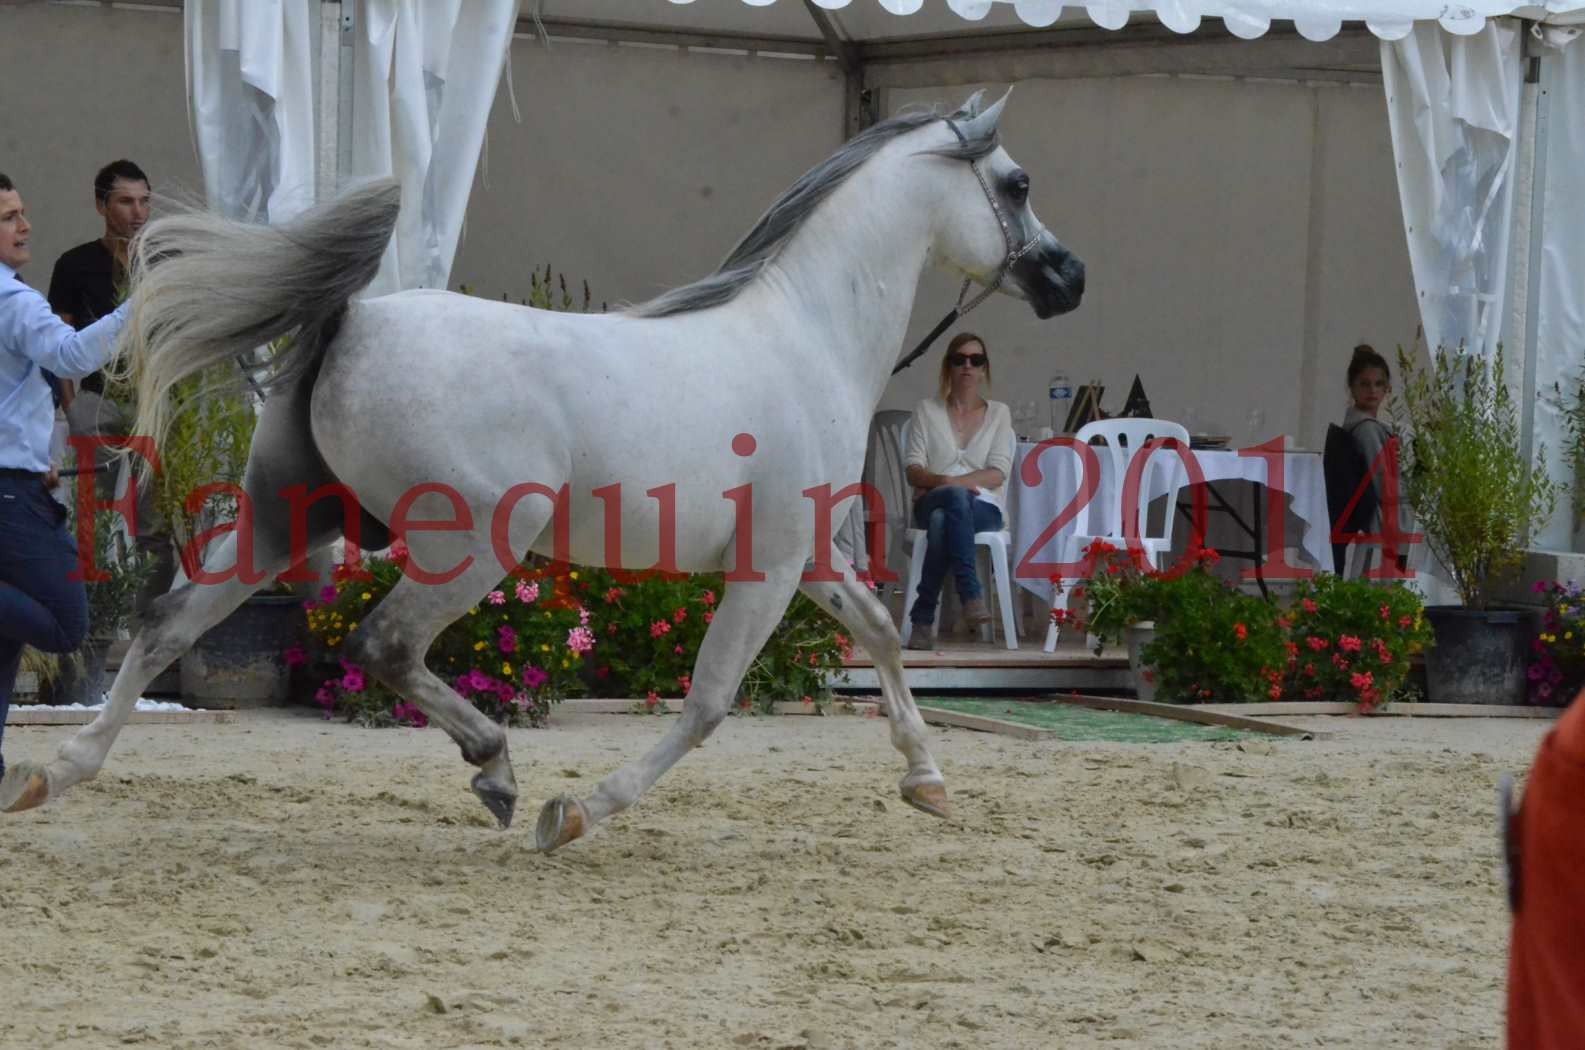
[1479, 656]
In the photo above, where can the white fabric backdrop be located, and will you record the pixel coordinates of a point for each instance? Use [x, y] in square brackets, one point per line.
[250, 84]
[1453, 105]
[1560, 319]
[425, 72]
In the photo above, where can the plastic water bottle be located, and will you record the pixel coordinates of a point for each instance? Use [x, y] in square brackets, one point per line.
[1060, 393]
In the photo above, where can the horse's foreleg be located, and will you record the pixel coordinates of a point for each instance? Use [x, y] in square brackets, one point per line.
[743, 621]
[176, 621]
[857, 608]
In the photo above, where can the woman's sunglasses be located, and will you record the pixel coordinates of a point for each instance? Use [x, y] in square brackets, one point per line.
[959, 360]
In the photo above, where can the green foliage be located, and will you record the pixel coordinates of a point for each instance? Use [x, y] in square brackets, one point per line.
[1571, 407]
[1352, 640]
[547, 291]
[1464, 471]
[1557, 668]
[1342, 639]
[208, 441]
[578, 631]
[110, 600]
[1215, 643]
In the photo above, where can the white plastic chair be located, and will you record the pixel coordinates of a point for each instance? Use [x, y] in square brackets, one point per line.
[996, 544]
[1123, 437]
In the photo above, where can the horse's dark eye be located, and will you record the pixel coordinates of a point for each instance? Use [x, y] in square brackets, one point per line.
[1018, 187]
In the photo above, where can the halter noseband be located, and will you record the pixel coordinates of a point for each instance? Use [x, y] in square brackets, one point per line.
[1014, 253]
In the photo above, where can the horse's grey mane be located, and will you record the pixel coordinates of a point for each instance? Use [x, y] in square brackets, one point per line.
[783, 218]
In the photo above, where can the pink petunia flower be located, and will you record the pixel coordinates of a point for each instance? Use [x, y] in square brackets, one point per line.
[527, 593]
[495, 598]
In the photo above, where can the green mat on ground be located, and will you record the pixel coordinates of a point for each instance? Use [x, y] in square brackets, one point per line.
[1072, 722]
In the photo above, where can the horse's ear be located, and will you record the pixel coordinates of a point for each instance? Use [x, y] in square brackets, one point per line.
[971, 108]
[982, 125]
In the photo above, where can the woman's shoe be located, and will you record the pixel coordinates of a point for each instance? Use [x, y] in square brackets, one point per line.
[975, 614]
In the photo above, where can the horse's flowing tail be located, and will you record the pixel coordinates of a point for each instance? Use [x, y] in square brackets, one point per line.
[208, 290]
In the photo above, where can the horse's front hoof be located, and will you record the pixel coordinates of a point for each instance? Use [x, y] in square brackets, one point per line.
[501, 804]
[24, 787]
[561, 821]
[928, 798]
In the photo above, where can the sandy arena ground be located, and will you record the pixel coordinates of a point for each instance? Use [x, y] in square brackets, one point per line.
[287, 882]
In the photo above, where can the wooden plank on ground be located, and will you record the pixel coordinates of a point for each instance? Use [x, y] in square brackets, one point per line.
[1404, 710]
[1188, 713]
[673, 706]
[29, 716]
[1001, 727]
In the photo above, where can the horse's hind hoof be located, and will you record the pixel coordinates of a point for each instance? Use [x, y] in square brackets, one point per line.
[24, 787]
[561, 821]
[928, 798]
[501, 804]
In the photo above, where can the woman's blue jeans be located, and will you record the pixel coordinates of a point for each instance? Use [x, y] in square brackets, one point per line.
[40, 604]
[950, 516]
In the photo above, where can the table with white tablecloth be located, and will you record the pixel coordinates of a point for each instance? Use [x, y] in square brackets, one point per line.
[1033, 508]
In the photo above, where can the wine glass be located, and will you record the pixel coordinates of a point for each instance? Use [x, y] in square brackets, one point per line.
[1257, 425]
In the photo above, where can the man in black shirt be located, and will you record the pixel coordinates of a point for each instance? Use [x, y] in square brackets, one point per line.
[90, 278]
[88, 282]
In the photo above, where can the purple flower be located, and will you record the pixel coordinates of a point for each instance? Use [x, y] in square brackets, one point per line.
[327, 593]
[508, 639]
[533, 677]
[295, 656]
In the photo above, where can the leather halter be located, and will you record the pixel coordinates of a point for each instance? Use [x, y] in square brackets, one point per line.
[1015, 251]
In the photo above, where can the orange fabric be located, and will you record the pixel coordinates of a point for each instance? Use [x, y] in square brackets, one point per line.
[1546, 963]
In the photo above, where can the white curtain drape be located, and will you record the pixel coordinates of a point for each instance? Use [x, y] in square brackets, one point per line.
[1560, 305]
[425, 74]
[250, 87]
[1453, 107]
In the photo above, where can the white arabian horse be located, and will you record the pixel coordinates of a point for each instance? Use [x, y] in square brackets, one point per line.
[727, 398]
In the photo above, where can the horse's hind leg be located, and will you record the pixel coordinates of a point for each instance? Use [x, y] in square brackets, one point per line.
[862, 613]
[172, 625]
[392, 641]
[743, 621]
[280, 455]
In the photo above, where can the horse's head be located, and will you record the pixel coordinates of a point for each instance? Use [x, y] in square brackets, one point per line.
[988, 231]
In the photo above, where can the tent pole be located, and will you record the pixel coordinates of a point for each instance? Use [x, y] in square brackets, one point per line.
[1531, 220]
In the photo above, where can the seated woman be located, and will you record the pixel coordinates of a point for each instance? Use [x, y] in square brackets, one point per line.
[1369, 383]
[958, 458]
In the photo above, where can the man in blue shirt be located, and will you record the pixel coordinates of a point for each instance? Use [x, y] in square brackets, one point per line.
[40, 604]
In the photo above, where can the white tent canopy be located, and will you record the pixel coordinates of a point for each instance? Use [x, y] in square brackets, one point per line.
[1487, 160]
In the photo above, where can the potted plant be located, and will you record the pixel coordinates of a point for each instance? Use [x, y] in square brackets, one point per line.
[1557, 666]
[238, 661]
[110, 600]
[1190, 635]
[1352, 640]
[1476, 499]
